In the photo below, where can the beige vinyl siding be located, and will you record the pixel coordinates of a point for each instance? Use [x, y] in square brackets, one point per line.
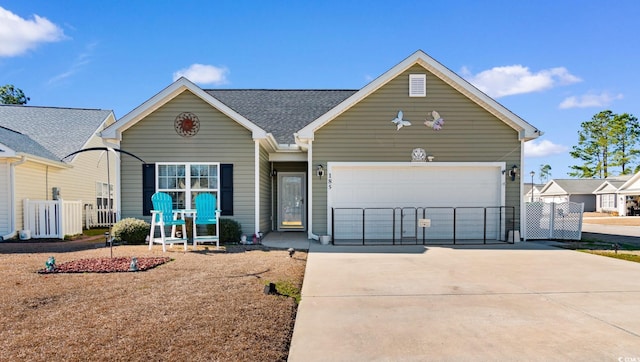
[34, 180]
[220, 139]
[5, 198]
[365, 133]
[265, 191]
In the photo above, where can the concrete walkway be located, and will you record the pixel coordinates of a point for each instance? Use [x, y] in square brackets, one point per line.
[519, 302]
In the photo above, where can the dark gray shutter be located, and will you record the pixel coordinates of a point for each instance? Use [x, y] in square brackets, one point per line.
[226, 189]
[148, 187]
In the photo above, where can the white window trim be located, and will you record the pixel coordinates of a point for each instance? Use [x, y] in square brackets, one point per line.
[187, 175]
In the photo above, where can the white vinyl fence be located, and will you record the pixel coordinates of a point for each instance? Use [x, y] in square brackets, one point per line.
[52, 218]
[98, 217]
[562, 221]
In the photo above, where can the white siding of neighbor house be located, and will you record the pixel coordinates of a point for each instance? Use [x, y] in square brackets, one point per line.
[220, 139]
[5, 198]
[34, 180]
[365, 133]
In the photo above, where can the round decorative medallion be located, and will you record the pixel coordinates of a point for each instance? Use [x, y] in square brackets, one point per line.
[418, 155]
[187, 124]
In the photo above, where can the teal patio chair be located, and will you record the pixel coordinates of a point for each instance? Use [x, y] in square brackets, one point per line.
[163, 215]
[207, 213]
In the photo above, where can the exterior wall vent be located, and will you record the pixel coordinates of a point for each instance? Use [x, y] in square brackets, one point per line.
[417, 85]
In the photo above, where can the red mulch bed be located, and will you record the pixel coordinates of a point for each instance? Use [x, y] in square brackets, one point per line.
[105, 265]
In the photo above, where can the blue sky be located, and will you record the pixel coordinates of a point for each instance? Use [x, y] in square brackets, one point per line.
[554, 63]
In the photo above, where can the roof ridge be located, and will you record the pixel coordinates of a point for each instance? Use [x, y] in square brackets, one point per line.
[54, 107]
[281, 90]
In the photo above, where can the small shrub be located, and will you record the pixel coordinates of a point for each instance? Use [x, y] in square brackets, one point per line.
[131, 231]
[230, 230]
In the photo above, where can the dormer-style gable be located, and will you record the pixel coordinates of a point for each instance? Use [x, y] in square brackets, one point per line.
[415, 88]
[632, 186]
[173, 90]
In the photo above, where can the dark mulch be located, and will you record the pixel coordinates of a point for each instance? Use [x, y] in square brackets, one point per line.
[106, 265]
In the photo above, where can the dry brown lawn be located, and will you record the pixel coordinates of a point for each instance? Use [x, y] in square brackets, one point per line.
[613, 220]
[201, 306]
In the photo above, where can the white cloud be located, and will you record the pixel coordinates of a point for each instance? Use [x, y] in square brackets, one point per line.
[203, 74]
[543, 148]
[589, 100]
[17, 35]
[517, 79]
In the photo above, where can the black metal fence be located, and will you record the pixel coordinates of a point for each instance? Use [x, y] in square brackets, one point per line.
[423, 225]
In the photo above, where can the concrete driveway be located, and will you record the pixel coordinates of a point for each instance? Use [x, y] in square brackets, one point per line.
[509, 302]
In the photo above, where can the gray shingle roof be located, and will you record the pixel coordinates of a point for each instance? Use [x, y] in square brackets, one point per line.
[21, 143]
[281, 112]
[60, 131]
[579, 186]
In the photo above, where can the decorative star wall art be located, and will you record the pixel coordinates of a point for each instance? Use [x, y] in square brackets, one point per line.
[434, 121]
[400, 122]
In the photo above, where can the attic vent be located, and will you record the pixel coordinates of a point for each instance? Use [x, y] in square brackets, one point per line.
[417, 85]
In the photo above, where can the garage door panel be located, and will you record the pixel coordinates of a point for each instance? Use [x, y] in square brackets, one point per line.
[416, 186]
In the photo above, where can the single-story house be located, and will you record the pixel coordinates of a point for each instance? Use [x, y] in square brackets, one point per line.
[532, 192]
[571, 190]
[607, 197]
[620, 194]
[417, 136]
[33, 142]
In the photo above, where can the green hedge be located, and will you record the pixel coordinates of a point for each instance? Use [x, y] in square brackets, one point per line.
[230, 231]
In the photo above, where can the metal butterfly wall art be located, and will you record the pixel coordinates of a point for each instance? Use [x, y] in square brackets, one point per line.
[436, 123]
[400, 122]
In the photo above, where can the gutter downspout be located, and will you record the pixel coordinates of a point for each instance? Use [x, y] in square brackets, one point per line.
[12, 199]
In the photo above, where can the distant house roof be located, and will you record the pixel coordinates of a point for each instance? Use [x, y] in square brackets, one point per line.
[58, 131]
[571, 186]
[526, 187]
[281, 112]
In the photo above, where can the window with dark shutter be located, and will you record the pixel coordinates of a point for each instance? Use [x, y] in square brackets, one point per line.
[226, 189]
[148, 187]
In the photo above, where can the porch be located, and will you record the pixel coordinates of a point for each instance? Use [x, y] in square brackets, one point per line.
[288, 239]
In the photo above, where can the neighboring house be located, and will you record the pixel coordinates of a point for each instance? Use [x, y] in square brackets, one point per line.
[607, 198]
[283, 159]
[528, 189]
[33, 140]
[628, 197]
[573, 190]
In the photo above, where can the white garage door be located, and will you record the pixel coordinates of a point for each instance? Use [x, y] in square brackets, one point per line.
[412, 185]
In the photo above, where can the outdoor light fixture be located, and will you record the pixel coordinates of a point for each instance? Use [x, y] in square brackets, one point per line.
[274, 172]
[532, 173]
[513, 172]
[320, 171]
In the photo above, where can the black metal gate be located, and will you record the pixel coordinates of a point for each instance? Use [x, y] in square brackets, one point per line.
[422, 225]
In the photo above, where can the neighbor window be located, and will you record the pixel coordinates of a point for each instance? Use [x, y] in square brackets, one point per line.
[608, 201]
[184, 181]
[104, 203]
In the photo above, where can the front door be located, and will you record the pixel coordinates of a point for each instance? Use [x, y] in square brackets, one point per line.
[291, 201]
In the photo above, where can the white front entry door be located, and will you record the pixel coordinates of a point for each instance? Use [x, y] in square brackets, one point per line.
[291, 201]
